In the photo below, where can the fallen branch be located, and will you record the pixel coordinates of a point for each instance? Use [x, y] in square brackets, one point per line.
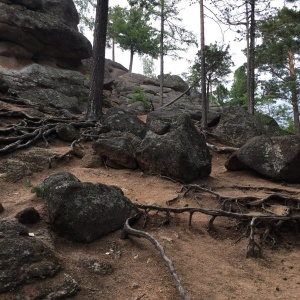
[222, 149]
[128, 230]
[168, 104]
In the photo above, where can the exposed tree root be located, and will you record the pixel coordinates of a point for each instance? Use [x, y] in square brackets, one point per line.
[253, 249]
[29, 130]
[74, 151]
[128, 230]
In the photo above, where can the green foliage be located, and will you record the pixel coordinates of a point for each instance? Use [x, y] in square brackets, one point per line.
[139, 95]
[133, 32]
[278, 56]
[221, 95]
[217, 65]
[38, 190]
[238, 92]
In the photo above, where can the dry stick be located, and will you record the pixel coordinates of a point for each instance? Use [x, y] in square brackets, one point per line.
[222, 149]
[177, 97]
[127, 230]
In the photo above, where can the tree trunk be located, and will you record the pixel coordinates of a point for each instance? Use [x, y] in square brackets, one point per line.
[161, 53]
[113, 50]
[294, 93]
[203, 77]
[252, 59]
[94, 109]
[248, 57]
[131, 61]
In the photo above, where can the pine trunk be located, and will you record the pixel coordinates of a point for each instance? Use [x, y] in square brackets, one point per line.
[203, 77]
[294, 94]
[161, 51]
[252, 59]
[94, 109]
[131, 61]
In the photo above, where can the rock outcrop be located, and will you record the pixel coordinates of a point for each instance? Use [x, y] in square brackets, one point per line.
[41, 51]
[44, 32]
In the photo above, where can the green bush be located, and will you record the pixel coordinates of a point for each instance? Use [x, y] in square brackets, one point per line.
[139, 95]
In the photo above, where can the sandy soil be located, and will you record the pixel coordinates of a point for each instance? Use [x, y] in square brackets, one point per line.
[211, 265]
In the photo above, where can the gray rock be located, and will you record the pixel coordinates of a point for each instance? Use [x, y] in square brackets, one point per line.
[237, 126]
[45, 33]
[122, 119]
[83, 212]
[275, 157]
[28, 216]
[63, 10]
[91, 159]
[67, 132]
[63, 89]
[25, 163]
[175, 82]
[53, 180]
[23, 259]
[119, 148]
[180, 152]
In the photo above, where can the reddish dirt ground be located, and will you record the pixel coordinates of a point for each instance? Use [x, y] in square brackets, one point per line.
[211, 265]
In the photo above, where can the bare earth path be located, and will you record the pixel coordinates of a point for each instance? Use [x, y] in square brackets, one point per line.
[210, 265]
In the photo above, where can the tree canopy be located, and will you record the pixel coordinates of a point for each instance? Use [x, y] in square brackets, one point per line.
[278, 55]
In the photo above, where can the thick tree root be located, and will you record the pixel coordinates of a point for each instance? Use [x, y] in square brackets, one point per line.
[128, 230]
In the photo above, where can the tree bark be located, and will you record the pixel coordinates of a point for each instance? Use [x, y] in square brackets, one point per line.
[94, 109]
[161, 51]
[113, 50]
[131, 61]
[203, 77]
[294, 93]
[252, 59]
[248, 55]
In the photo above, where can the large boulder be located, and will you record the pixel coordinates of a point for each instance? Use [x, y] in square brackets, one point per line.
[122, 119]
[118, 148]
[83, 212]
[275, 157]
[23, 259]
[175, 82]
[237, 126]
[63, 89]
[173, 147]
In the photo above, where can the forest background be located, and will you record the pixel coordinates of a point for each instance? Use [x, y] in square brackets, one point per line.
[215, 32]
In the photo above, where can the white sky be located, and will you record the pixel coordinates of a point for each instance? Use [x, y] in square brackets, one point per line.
[190, 15]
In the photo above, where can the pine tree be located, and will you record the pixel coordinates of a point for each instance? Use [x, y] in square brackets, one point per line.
[279, 54]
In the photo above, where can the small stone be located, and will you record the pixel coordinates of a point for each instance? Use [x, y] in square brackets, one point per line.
[28, 216]
[135, 286]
